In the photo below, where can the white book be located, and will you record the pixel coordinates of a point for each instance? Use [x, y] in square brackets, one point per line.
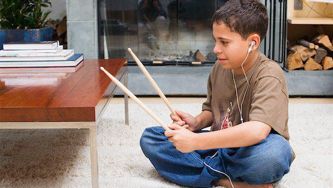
[43, 45]
[38, 70]
[34, 56]
[72, 61]
[59, 48]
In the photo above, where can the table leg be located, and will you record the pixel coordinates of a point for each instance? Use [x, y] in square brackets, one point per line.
[126, 99]
[93, 155]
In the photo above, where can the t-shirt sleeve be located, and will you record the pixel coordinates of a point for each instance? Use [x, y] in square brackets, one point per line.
[270, 103]
[207, 104]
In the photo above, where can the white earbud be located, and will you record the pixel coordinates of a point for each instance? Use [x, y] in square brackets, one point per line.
[252, 44]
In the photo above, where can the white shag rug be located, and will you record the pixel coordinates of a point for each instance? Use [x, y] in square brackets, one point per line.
[60, 158]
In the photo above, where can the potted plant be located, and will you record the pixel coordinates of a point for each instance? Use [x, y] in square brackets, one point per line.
[24, 21]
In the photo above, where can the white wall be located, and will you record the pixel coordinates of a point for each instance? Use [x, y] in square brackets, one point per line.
[58, 9]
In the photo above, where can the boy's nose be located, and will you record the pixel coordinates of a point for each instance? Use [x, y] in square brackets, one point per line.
[217, 49]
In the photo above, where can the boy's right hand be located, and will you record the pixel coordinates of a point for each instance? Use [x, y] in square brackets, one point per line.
[182, 118]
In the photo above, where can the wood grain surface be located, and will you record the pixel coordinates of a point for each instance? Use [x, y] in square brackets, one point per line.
[52, 97]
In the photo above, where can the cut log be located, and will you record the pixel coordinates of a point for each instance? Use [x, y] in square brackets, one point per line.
[295, 61]
[308, 53]
[304, 52]
[311, 64]
[307, 44]
[199, 56]
[324, 41]
[321, 53]
[328, 63]
[297, 48]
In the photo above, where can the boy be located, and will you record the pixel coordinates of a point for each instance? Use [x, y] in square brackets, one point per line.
[246, 107]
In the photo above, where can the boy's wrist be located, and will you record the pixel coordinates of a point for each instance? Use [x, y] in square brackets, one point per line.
[198, 141]
[197, 123]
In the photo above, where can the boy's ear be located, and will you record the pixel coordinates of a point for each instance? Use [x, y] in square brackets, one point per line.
[254, 38]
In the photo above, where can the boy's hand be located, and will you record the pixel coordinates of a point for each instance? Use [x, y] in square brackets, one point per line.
[182, 138]
[182, 118]
[176, 119]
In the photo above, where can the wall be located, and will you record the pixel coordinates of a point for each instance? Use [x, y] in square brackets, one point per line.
[82, 30]
[58, 9]
[81, 24]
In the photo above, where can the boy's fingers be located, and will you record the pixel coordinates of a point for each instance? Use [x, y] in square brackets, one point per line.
[171, 139]
[181, 123]
[175, 117]
[181, 115]
[169, 133]
[174, 126]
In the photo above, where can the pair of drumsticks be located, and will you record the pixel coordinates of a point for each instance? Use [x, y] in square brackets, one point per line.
[132, 96]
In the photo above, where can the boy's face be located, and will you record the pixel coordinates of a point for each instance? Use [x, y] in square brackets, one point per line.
[230, 48]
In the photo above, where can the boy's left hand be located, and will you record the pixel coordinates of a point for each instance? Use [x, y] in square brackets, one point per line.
[182, 138]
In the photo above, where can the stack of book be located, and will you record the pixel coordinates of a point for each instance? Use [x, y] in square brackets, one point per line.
[38, 57]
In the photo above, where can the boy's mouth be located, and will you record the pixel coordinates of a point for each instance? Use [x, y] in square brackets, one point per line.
[221, 59]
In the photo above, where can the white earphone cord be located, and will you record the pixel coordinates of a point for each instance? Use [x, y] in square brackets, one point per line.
[232, 185]
[240, 107]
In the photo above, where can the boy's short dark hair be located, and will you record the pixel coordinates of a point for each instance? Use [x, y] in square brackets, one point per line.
[244, 17]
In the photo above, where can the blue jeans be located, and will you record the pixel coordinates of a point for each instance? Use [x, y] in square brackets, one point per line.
[265, 162]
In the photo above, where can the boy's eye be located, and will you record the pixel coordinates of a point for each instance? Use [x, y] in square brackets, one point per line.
[224, 42]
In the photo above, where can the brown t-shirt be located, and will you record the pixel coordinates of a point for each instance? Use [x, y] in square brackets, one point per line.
[264, 100]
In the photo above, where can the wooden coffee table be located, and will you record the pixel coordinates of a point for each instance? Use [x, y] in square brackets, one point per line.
[59, 100]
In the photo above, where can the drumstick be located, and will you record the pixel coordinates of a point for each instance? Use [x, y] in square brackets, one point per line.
[152, 81]
[130, 94]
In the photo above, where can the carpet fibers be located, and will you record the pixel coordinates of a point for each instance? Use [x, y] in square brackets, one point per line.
[60, 158]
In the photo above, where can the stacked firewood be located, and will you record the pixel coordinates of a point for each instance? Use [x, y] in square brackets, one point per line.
[315, 55]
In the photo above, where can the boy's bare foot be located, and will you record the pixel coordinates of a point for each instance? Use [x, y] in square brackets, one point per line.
[226, 183]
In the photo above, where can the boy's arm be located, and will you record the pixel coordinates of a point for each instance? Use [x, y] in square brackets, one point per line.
[246, 134]
[204, 119]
